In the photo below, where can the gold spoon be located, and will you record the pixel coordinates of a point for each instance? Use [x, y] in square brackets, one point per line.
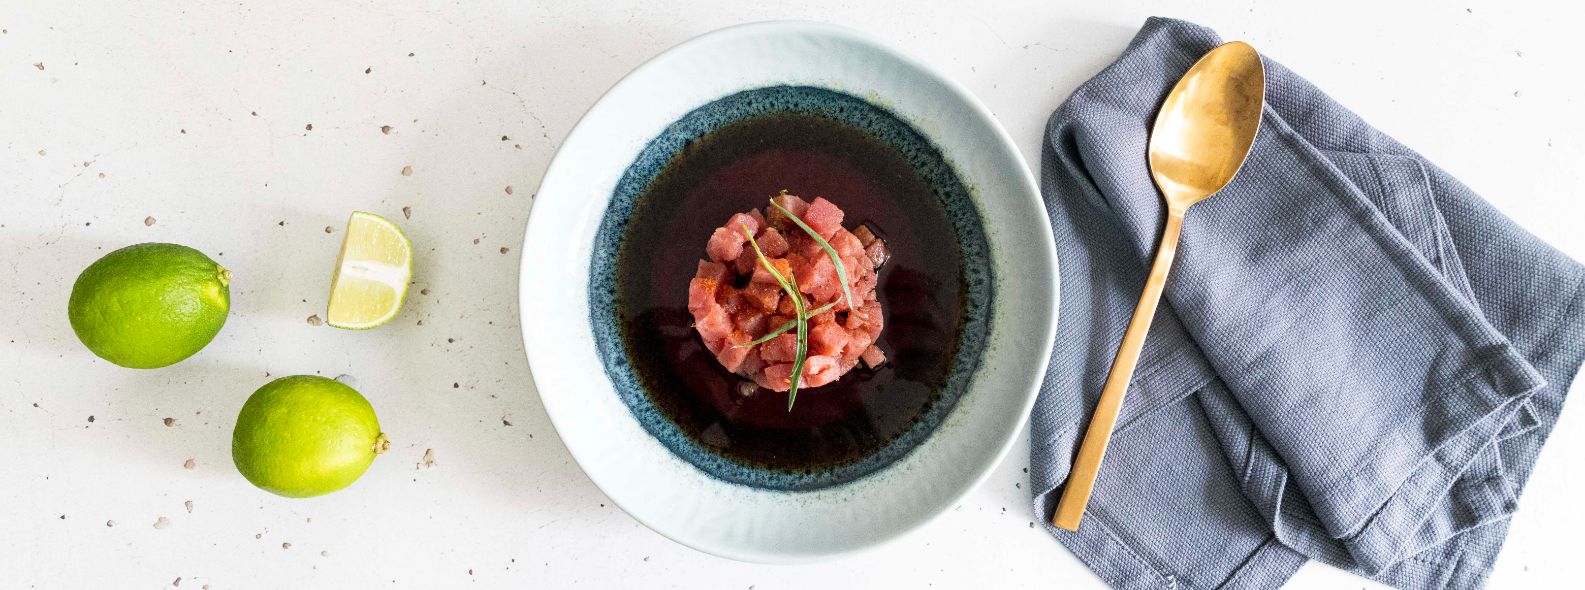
[1201, 137]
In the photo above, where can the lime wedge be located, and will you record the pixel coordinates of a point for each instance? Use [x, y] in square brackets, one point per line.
[372, 273]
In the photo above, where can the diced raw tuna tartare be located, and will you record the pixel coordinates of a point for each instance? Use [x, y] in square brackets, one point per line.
[735, 300]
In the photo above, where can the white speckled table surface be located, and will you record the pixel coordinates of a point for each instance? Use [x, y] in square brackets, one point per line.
[246, 129]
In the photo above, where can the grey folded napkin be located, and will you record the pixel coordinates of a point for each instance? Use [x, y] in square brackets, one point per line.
[1357, 359]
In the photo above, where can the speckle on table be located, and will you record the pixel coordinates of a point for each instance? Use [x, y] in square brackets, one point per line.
[509, 189]
[429, 458]
[324, 553]
[177, 581]
[368, 70]
[505, 422]
[407, 170]
[314, 320]
[169, 422]
[162, 522]
[424, 291]
[308, 127]
[90, 419]
[407, 212]
[189, 464]
[39, 65]
[110, 523]
[505, 138]
[505, 249]
[329, 229]
[44, 152]
[188, 505]
[385, 129]
[286, 545]
[148, 221]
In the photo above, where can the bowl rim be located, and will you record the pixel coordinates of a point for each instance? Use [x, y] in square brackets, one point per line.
[1024, 181]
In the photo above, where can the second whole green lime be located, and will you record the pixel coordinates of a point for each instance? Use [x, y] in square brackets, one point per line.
[305, 436]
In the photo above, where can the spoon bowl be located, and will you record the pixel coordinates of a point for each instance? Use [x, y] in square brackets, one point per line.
[1207, 125]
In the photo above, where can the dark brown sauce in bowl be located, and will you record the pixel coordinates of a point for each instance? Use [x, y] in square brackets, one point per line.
[838, 431]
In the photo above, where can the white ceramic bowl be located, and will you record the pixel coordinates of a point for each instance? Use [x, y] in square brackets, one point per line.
[669, 494]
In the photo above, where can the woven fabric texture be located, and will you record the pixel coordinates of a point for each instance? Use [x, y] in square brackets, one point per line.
[1357, 359]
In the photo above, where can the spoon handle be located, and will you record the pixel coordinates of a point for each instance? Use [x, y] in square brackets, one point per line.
[1081, 478]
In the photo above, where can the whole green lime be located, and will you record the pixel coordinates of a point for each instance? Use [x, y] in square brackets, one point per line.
[305, 436]
[150, 305]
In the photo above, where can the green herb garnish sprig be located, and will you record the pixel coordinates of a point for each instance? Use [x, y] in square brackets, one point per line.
[800, 320]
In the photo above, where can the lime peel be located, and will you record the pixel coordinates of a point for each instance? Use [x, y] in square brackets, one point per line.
[150, 305]
[306, 435]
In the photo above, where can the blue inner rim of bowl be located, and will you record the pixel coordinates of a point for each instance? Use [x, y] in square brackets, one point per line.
[952, 196]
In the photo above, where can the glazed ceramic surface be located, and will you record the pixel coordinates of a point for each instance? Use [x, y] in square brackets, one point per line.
[628, 449]
[963, 336]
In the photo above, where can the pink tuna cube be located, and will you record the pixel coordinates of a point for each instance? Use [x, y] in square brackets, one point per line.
[772, 242]
[730, 355]
[725, 244]
[714, 327]
[827, 339]
[823, 217]
[781, 349]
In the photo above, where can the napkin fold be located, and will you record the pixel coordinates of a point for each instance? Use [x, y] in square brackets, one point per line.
[1357, 359]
